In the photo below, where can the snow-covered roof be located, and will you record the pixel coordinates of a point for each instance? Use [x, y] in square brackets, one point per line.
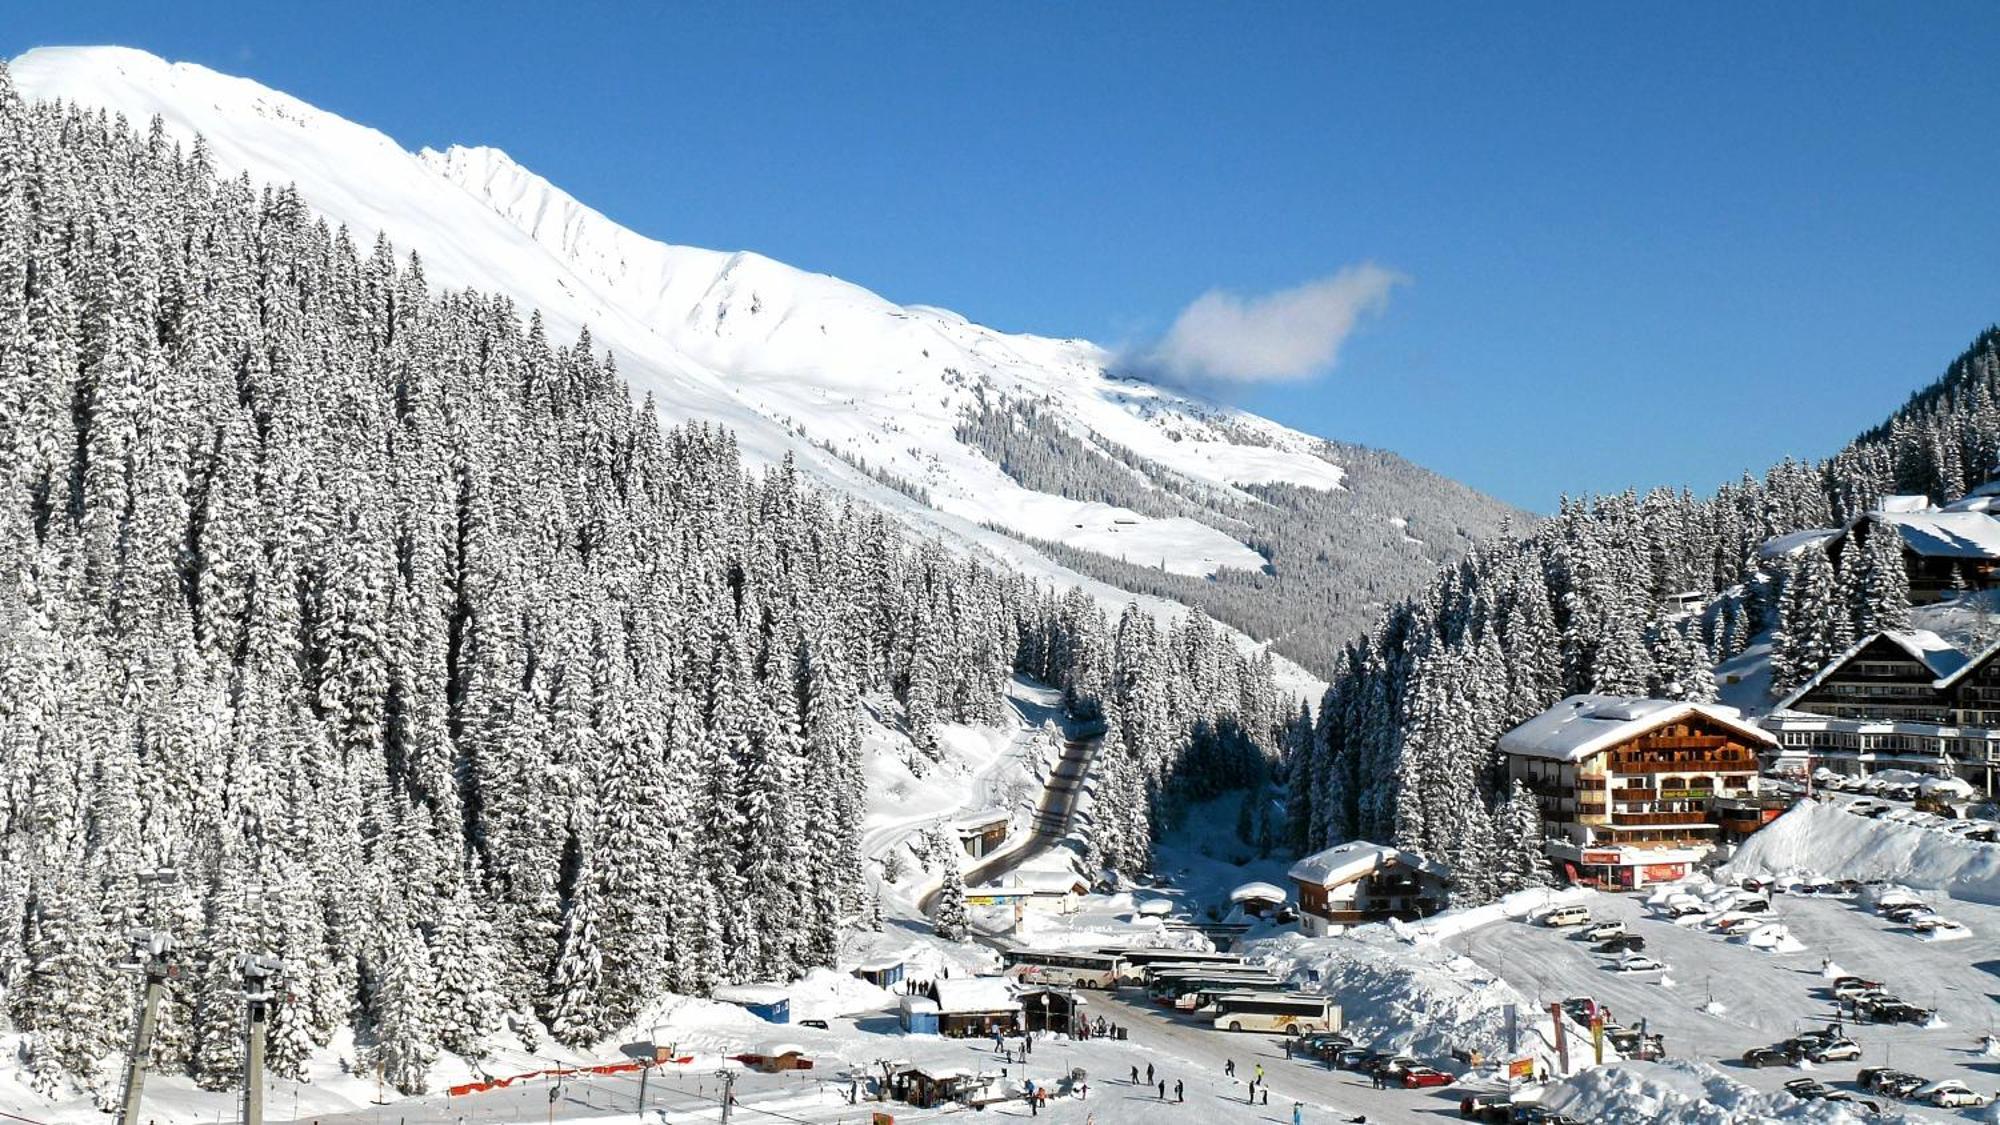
[917, 1004]
[1945, 535]
[1982, 502]
[1155, 907]
[778, 1048]
[1345, 862]
[1038, 883]
[976, 994]
[1944, 660]
[1583, 725]
[1258, 892]
[1904, 503]
[1778, 546]
[980, 819]
[750, 994]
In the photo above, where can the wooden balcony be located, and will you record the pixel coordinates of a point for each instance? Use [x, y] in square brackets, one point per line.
[1635, 794]
[1641, 819]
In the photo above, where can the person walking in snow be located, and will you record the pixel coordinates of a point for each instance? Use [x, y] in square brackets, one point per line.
[1229, 1068]
[1296, 1119]
[1149, 1074]
[1135, 1076]
[1260, 1072]
[1178, 1096]
[1163, 1087]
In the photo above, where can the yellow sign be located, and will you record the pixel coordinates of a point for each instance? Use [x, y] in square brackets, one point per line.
[1521, 1068]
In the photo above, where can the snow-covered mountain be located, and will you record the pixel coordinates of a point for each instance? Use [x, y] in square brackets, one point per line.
[869, 395]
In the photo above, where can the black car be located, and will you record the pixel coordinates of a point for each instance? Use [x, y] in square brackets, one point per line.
[1486, 1107]
[1807, 1088]
[1625, 943]
[1761, 1057]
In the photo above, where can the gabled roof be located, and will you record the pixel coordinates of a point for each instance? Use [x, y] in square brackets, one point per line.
[750, 994]
[1945, 535]
[1258, 892]
[1346, 862]
[1945, 661]
[1583, 725]
[1778, 546]
[1972, 664]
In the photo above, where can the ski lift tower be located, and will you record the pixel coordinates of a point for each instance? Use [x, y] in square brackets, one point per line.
[152, 958]
[259, 972]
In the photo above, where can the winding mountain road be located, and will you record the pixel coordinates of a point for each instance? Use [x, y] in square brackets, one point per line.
[1054, 817]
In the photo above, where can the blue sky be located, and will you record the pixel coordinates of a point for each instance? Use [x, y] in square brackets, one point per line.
[1637, 245]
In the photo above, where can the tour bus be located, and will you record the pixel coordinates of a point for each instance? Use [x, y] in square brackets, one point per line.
[1289, 1012]
[1206, 1002]
[1171, 990]
[1078, 968]
[1145, 974]
[1137, 961]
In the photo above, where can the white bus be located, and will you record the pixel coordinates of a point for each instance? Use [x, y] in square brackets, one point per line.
[1289, 1012]
[1171, 990]
[1137, 961]
[1077, 968]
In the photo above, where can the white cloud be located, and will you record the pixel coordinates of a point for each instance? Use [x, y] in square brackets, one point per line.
[1285, 336]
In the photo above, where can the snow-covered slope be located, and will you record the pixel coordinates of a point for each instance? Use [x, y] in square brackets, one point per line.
[796, 362]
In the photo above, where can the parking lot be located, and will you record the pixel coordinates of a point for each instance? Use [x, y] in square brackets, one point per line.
[1718, 997]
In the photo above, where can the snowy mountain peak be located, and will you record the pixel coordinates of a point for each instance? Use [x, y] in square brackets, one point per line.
[1022, 446]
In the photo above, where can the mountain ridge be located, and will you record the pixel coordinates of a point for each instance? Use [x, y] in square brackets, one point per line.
[861, 391]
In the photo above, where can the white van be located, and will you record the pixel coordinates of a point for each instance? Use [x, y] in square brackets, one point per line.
[1566, 916]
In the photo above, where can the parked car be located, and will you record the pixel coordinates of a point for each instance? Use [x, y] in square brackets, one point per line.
[1528, 1113]
[1753, 906]
[1688, 909]
[1420, 1077]
[1393, 1067]
[1579, 1008]
[1566, 916]
[1601, 931]
[1846, 988]
[1902, 1012]
[1902, 1085]
[1731, 927]
[1635, 965]
[1949, 1094]
[1761, 1057]
[1807, 1088]
[1352, 1058]
[1867, 1075]
[1838, 1050]
[1628, 943]
[1844, 1096]
[1486, 1107]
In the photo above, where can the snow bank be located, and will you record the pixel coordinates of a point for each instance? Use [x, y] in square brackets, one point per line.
[1679, 1091]
[1419, 1000]
[1824, 838]
[1452, 923]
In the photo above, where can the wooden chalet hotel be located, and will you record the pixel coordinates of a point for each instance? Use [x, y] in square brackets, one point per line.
[1903, 699]
[1630, 789]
